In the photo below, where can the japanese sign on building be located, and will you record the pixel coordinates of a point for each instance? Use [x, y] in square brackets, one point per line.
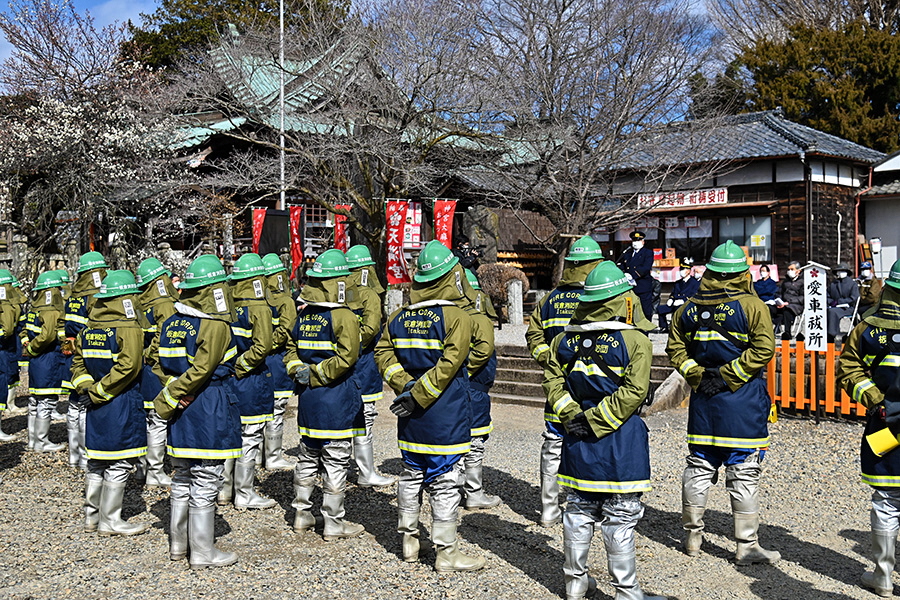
[676, 199]
[412, 229]
[815, 306]
[395, 219]
[443, 221]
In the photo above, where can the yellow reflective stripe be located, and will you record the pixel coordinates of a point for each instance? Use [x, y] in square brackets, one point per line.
[881, 480]
[229, 354]
[429, 387]
[46, 391]
[115, 454]
[608, 416]
[595, 370]
[562, 402]
[82, 379]
[169, 399]
[256, 419]
[171, 379]
[316, 345]
[686, 366]
[148, 404]
[558, 322]
[868, 358]
[293, 364]
[33, 328]
[276, 321]
[739, 370]
[608, 487]
[322, 376]
[860, 388]
[173, 352]
[418, 344]
[241, 332]
[715, 336]
[283, 393]
[372, 397]
[539, 349]
[103, 393]
[151, 329]
[480, 431]
[331, 434]
[391, 371]
[891, 360]
[551, 417]
[68, 384]
[434, 448]
[98, 353]
[727, 442]
[242, 362]
[203, 453]
[76, 319]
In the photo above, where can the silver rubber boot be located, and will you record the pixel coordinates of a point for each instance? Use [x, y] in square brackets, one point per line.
[303, 489]
[93, 487]
[577, 535]
[226, 494]
[474, 490]
[202, 538]
[111, 522]
[155, 475]
[5, 437]
[365, 461]
[75, 450]
[32, 416]
[258, 461]
[699, 475]
[449, 558]
[551, 451]
[879, 580]
[742, 483]
[623, 570]
[408, 527]
[275, 460]
[244, 495]
[178, 529]
[336, 527]
[41, 433]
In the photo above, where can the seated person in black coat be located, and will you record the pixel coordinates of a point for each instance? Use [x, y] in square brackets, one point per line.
[684, 288]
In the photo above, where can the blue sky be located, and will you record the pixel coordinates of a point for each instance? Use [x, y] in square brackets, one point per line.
[104, 13]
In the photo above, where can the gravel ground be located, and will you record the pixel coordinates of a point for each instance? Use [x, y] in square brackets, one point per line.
[814, 509]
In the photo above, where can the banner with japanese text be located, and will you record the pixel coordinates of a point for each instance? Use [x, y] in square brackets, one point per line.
[815, 306]
[296, 239]
[443, 221]
[341, 235]
[395, 217]
[259, 217]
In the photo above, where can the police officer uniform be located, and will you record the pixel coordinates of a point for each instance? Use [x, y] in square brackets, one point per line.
[637, 262]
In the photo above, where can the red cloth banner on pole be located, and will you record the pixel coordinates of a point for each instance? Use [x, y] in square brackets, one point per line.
[341, 235]
[443, 221]
[296, 240]
[259, 217]
[395, 217]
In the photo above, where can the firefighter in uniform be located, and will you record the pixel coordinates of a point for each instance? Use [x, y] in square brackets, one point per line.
[368, 308]
[90, 272]
[597, 380]
[46, 364]
[252, 332]
[422, 356]
[157, 302]
[18, 362]
[548, 320]
[482, 368]
[321, 359]
[10, 313]
[195, 363]
[107, 368]
[284, 314]
[720, 341]
[868, 370]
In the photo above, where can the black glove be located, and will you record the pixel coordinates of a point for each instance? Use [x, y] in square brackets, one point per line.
[403, 405]
[409, 385]
[301, 374]
[578, 427]
[712, 383]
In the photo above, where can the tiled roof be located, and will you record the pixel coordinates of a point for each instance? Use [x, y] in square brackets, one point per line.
[885, 189]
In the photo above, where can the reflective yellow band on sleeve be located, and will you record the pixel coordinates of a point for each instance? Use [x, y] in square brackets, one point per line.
[539, 349]
[102, 393]
[391, 371]
[169, 399]
[83, 379]
[687, 366]
[320, 373]
[564, 401]
[293, 364]
[608, 416]
[861, 388]
[739, 370]
[429, 387]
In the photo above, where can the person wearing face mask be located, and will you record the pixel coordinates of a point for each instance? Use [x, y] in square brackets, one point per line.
[869, 287]
[842, 296]
[684, 288]
[789, 303]
[637, 262]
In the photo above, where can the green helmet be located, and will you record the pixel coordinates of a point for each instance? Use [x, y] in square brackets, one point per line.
[359, 256]
[247, 266]
[64, 275]
[91, 260]
[150, 269]
[273, 264]
[604, 282]
[893, 278]
[205, 270]
[6, 277]
[48, 279]
[330, 263]
[728, 258]
[117, 283]
[473, 280]
[585, 249]
[435, 260]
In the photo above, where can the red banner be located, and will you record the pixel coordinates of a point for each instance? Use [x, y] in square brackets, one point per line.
[296, 240]
[443, 221]
[395, 218]
[341, 235]
[259, 217]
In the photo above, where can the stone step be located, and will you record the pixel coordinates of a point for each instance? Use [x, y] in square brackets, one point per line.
[660, 373]
[661, 360]
[517, 388]
[511, 350]
[517, 363]
[537, 402]
[523, 375]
